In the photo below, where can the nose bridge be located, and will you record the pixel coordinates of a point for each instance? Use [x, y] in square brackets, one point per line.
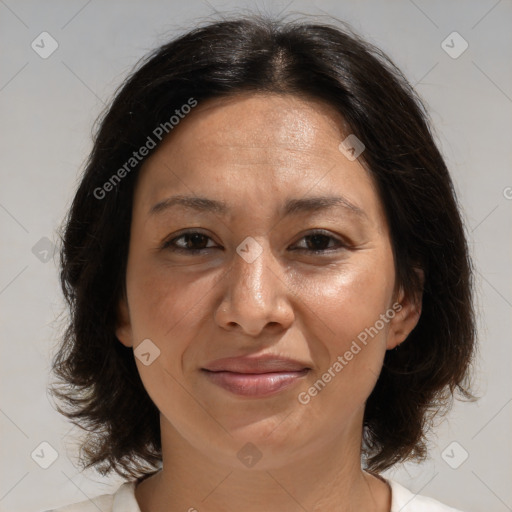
[253, 272]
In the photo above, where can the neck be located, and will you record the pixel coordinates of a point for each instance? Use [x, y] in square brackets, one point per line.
[326, 477]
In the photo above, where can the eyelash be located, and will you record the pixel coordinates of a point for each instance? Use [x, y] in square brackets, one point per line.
[168, 245]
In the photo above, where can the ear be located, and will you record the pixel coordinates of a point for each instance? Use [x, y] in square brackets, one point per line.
[123, 324]
[407, 316]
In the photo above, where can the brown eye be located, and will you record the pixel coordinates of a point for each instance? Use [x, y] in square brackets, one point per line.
[192, 242]
[318, 242]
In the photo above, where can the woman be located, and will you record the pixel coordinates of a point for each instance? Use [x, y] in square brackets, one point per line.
[268, 278]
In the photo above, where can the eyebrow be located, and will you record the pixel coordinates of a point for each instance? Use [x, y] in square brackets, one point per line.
[291, 206]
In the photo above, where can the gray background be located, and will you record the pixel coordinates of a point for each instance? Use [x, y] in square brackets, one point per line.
[48, 107]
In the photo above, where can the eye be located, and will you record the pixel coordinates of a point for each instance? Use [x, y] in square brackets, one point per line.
[194, 242]
[318, 242]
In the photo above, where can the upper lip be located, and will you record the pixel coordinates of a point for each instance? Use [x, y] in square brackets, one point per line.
[259, 364]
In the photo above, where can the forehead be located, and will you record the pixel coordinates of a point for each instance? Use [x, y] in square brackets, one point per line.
[264, 146]
[276, 118]
[258, 127]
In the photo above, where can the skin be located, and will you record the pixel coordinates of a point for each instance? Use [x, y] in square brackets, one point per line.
[255, 151]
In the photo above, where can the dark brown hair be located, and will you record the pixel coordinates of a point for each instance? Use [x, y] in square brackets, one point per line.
[99, 378]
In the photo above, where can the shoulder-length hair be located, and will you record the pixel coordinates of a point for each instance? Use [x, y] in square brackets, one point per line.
[100, 383]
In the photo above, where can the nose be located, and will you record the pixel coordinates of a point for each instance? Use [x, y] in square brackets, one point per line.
[255, 294]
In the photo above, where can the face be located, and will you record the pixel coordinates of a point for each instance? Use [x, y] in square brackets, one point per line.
[261, 269]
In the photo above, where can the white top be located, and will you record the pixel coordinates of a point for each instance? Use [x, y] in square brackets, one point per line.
[123, 500]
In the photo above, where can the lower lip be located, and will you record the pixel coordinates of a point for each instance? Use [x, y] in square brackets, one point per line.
[255, 384]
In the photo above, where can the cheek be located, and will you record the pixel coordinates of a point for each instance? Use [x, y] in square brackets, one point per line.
[351, 299]
[163, 300]
[166, 306]
[354, 308]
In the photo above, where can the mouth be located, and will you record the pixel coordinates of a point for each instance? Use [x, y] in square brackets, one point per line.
[259, 376]
[254, 384]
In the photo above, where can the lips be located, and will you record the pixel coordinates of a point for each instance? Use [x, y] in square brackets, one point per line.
[255, 376]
